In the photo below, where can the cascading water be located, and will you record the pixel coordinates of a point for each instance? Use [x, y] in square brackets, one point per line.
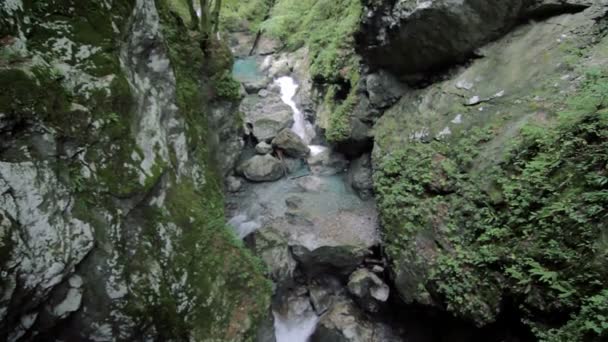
[300, 126]
[295, 329]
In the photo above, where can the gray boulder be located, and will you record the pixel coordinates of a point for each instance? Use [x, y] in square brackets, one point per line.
[264, 168]
[360, 176]
[266, 116]
[291, 143]
[368, 289]
[383, 89]
[440, 33]
[273, 249]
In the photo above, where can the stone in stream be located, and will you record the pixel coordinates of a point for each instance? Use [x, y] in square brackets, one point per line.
[266, 116]
[310, 183]
[262, 169]
[273, 249]
[368, 289]
[294, 202]
[263, 148]
[344, 322]
[254, 86]
[291, 143]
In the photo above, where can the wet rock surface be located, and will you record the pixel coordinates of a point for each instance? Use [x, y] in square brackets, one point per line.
[262, 168]
[291, 144]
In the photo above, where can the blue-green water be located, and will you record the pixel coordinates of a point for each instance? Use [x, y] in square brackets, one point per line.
[246, 69]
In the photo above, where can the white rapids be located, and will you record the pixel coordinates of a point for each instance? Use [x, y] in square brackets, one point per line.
[298, 329]
[301, 127]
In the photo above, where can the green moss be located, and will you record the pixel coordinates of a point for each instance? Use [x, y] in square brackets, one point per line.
[526, 228]
[24, 96]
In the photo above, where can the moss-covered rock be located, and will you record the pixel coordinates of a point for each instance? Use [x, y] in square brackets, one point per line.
[107, 173]
[491, 184]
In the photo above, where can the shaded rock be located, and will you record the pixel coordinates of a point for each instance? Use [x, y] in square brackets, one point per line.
[266, 331]
[383, 89]
[441, 32]
[324, 292]
[226, 131]
[255, 85]
[291, 143]
[273, 249]
[339, 259]
[263, 148]
[264, 168]
[298, 218]
[266, 116]
[360, 176]
[344, 322]
[368, 289]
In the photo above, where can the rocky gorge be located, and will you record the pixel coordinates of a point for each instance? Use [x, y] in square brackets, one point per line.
[311, 170]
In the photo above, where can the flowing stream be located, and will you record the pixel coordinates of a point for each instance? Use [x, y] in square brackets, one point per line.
[302, 326]
[331, 212]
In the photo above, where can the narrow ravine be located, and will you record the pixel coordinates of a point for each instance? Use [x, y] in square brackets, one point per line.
[326, 227]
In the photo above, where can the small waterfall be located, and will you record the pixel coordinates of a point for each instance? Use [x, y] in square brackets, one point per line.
[300, 126]
[295, 329]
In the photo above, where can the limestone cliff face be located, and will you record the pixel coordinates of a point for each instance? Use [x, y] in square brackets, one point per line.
[455, 161]
[111, 216]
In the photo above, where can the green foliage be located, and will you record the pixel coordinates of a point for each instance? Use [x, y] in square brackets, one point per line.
[339, 122]
[226, 86]
[240, 15]
[531, 228]
[327, 27]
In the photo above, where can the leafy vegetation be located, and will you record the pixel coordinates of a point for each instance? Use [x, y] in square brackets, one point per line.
[533, 228]
[326, 28]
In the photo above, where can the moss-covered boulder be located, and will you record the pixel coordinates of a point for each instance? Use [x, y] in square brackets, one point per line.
[491, 184]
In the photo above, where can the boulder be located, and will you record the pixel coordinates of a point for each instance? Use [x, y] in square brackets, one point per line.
[383, 89]
[344, 322]
[368, 289]
[273, 249]
[264, 168]
[266, 116]
[310, 183]
[263, 148]
[340, 260]
[291, 143]
[441, 33]
[360, 176]
[323, 292]
[267, 129]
